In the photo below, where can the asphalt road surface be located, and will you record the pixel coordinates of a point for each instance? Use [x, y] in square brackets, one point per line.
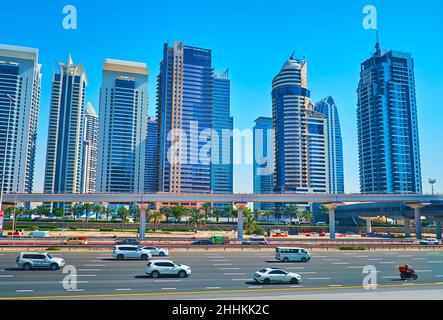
[226, 275]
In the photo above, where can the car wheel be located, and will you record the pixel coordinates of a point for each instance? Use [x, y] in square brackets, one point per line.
[294, 281]
[27, 266]
[267, 281]
[286, 260]
[162, 254]
[120, 257]
[54, 266]
[182, 274]
[155, 274]
[304, 260]
[144, 257]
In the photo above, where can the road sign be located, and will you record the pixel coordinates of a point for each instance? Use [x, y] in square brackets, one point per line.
[1, 222]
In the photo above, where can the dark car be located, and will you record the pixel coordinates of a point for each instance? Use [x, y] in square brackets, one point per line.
[202, 243]
[129, 241]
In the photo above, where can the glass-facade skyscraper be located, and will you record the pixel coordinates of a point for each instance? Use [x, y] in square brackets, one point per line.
[20, 78]
[263, 167]
[328, 108]
[151, 169]
[300, 146]
[388, 138]
[184, 110]
[222, 142]
[90, 150]
[123, 127]
[64, 156]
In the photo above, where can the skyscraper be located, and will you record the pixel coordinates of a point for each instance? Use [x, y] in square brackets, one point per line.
[151, 171]
[263, 160]
[328, 108]
[300, 133]
[123, 127]
[90, 150]
[222, 141]
[388, 139]
[20, 78]
[64, 157]
[184, 111]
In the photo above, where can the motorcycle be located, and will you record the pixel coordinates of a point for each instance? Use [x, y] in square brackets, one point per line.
[410, 274]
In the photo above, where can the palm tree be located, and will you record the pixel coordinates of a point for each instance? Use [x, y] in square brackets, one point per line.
[233, 213]
[268, 214]
[76, 209]
[106, 211]
[307, 215]
[217, 212]
[167, 212]
[292, 211]
[88, 207]
[123, 214]
[42, 211]
[155, 217]
[250, 223]
[227, 211]
[207, 207]
[178, 212]
[97, 209]
[277, 213]
[133, 212]
[196, 218]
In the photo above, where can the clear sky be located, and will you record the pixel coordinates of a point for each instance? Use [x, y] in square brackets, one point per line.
[253, 38]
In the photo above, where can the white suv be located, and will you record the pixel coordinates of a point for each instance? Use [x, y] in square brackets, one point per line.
[272, 275]
[32, 260]
[131, 252]
[156, 251]
[157, 268]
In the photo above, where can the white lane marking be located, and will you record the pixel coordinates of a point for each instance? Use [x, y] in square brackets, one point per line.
[319, 278]
[234, 274]
[335, 285]
[229, 268]
[355, 267]
[423, 270]
[390, 253]
[86, 275]
[123, 289]
[23, 291]
[167, 280]
[331, 259]
[106, 257]
[213, 288]
[96, 261]
[240, 279]
[169, 288]
[255, 287]
[76, 290]
[297, 286]
[95, 265]
[73, 281]
[90, 270]
[220, 260]
[6, 276]
[389, 277]
[404, 256]
[343, 263]
[418, 258]
[314, 256]
[435, 262]
[375, 259]
[311, 272]
[439, 276]
[387, 262]
[361, 257]
[222, 264]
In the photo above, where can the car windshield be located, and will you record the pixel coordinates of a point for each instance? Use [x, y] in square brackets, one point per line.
[262, 271]
[49, 256]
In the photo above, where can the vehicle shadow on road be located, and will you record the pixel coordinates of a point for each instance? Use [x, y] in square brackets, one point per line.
[286, 263]
[253, 283]
[23, 270]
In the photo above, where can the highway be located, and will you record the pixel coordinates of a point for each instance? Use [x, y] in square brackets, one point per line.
[225, 275]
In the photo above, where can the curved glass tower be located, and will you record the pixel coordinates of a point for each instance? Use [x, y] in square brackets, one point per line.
[328, 108]
[300, 133]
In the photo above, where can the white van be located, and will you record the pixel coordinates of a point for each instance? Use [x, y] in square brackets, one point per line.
[287, 254]
[39, 234]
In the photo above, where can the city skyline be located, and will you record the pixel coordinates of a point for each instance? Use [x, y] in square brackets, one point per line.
[427, 82]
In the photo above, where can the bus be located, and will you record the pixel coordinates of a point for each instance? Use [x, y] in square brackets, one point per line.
[288, 254]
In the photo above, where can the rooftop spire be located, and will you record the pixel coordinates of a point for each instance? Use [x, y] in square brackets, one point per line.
[70, 62]
[377, 46]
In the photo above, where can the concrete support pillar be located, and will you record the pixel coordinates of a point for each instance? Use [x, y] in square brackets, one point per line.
[417, 206]
[438, 225]
[240, 207]
[331, 208]
[407, 228]
[143, 207]
[368, 223]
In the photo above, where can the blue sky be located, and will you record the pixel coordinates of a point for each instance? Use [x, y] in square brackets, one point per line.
[253, 39]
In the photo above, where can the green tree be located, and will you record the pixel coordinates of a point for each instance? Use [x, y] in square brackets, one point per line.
[76, 209]
[267, 214]
[97, 209]
[250, 223]
[167, 212]
[217, 212]
[58, 212]
[178, 212]
[155, 217]
[227, 210]
[107, 211]
[292, 211]
[42, 211]
[88, 207]
[134, 213]
[278, 211]
[123, 213]
[196, 217]
[307, 215]
[207, 208]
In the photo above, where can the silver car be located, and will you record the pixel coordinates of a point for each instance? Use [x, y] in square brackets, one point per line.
[157, 268]
[32, 260]
[272, 275]
[131, 252]
[156, 251]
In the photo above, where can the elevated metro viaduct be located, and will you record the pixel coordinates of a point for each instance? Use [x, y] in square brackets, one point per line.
[417, 202]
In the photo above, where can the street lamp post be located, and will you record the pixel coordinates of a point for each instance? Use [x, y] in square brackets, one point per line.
[11, 98]
[432, 182]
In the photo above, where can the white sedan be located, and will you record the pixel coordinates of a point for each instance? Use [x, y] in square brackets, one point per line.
[157, 252]
[429, 242]
[272, 275]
